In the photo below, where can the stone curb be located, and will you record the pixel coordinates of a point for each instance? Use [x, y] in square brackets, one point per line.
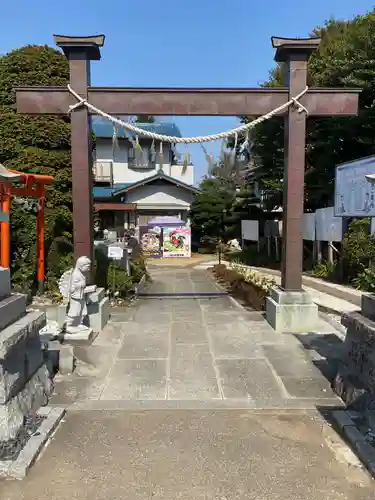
[19, 468]
[357, 441]
[139, 287]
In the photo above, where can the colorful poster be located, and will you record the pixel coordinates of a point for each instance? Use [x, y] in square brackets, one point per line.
[176, 242]
[150, 240]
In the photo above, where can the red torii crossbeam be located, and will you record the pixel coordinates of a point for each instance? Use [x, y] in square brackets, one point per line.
[294, 53]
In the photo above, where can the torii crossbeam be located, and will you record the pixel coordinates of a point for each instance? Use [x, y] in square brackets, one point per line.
[200, 101]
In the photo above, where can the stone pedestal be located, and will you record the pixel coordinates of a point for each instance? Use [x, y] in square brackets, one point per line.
[291, 312]
[24, 380]
[4, 283]
[355, 380]
[98, 309]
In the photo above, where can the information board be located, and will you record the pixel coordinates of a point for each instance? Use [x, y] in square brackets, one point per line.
[115, 252]
[354, 194]
[328, 227]
[250, 230]
[308, 230]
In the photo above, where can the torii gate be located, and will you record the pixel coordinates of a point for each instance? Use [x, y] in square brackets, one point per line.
[34, 186]
[199, 101]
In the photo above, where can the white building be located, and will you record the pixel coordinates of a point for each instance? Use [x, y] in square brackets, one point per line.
[132, 187]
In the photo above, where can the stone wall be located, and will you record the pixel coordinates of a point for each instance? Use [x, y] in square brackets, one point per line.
[24, 380]
[355, 380]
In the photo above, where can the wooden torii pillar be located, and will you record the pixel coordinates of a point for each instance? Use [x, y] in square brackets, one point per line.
[204, 102]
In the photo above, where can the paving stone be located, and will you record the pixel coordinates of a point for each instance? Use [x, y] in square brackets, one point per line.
[192, 374]
[66, 359]
[231, 344]
[308, 387]
[153, 346]
[149, 317]
[280, 358]
[188, 333]
[137, 379]
[249, 379]
[71, 389]
[111, 334]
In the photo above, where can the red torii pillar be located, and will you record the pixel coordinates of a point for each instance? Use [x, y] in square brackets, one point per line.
[33, 186]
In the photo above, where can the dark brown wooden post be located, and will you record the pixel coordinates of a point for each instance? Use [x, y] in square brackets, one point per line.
[80, 51]
[294, 53]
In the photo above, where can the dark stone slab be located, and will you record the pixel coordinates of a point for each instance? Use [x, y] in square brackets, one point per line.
[137, 379]
[248, 379]
[192, 374]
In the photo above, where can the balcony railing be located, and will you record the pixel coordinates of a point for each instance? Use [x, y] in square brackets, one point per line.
[142, 164]
[103, 171]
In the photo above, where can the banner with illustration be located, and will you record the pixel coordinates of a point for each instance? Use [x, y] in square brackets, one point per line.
[151, 241]
[176, 242]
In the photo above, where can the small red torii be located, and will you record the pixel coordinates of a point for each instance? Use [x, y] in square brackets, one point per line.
[33, 185]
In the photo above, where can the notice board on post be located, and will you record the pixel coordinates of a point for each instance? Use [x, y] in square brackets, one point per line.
[354, 193]
[308, 231]
[328, 227]
[250, 230]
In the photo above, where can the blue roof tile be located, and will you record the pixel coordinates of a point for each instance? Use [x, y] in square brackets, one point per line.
[107, 191]
[104, 128]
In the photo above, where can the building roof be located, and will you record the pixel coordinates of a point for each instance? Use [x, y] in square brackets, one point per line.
[158, 176]
[118, 189]
[107, 191]
[103, 128]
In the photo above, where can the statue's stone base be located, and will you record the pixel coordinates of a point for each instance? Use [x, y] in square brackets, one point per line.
[81, 336]
[24, 381]
[291, 312]
[98, 310]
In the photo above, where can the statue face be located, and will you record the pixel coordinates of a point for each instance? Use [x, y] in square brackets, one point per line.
[85, 268]
[83, 264]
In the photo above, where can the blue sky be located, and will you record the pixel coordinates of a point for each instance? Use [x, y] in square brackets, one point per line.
[180, 43]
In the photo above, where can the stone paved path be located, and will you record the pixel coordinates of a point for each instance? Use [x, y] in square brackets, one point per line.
[197, 351]
[195, 398]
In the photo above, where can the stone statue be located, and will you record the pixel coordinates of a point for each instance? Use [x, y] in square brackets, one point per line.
[73, 288]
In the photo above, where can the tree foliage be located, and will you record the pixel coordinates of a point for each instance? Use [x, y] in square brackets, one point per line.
[208, 211]
[346, 58]
[36, 145]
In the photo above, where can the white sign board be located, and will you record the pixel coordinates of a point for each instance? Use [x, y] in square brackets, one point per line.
[116, 253]
[327, 226]
[308, 231]
[354, 194]
[250, 230]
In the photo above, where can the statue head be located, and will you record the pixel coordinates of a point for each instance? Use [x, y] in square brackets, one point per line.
[83, 264]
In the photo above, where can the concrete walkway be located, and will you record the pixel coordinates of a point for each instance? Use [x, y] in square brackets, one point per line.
[196, 398]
